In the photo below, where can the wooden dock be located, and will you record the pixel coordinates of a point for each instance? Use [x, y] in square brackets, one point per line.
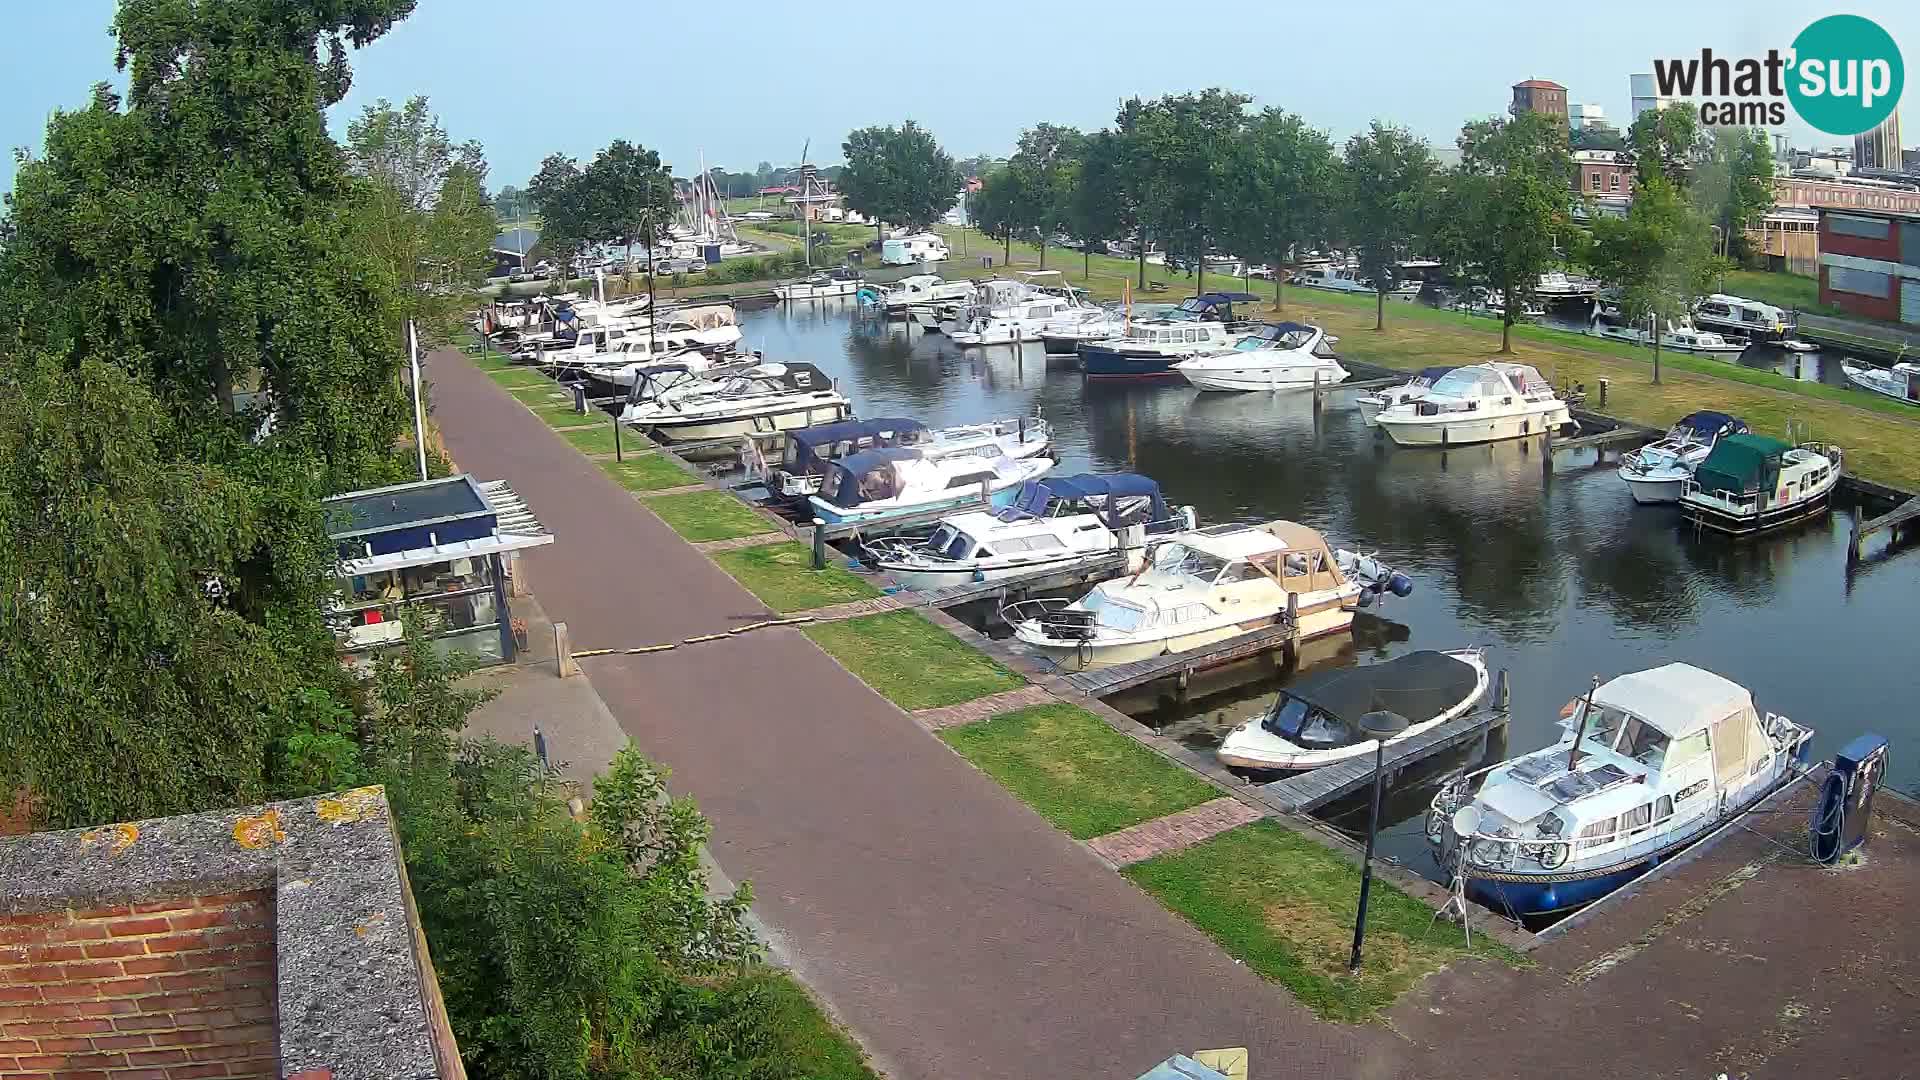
[1037, 581]
[1896, 519]
[1103, 681]
[1316, 788]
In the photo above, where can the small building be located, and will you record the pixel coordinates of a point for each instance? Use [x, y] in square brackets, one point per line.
[510, 250]
[1602, 172]
[1870, 263]
[1789, 236]
[1542, 96]
[437, 551]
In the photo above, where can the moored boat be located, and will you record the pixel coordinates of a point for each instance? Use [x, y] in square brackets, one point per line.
[1752, 483]
[1658, 471]
[809, 451]
[1280, 356]
[762, 399]
[837, 282]
[1900, 382]
[1413, 389]
[874, 486]
[1477, 403]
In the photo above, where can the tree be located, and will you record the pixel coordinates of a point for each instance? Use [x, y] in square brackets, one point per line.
[1385, 182]
[1665, 142]
[1098, 205]
[1512, 197]
[996, 209]
[1599, 137]
[420, 208]
[630, 195]
[1048, 161]
[1661, 256]
[1280, 182]
[1733, 185]
[899, 175]
[1183, 143]
[567, 221]
[511, 204]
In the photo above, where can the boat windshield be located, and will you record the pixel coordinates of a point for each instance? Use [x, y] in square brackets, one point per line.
[1179, 560]
[948, 542]
[1306, 725]
[1114, 614]
[1468, 382]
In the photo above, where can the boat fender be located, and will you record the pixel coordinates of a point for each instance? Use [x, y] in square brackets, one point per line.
[979, 574]
[1400, 584]
[1366, 598]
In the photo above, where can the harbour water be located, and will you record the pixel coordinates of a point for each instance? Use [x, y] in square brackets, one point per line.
[1559, 576]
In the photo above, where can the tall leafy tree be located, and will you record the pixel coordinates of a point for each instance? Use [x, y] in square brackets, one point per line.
[1386, 178]
[997, 208]
[511, 204]
[1660, 255]
[1511, 198]
[898, 174]
[630, 194]
[1048, 159]
[1280, 184]
[567, 220]
[1099, 206]
[1733, 184]
[1183, 144]
[1666, 142]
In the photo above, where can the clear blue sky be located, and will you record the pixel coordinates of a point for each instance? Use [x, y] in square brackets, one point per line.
[750, 81]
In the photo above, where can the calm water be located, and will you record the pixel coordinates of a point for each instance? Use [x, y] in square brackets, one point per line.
[1559, 577]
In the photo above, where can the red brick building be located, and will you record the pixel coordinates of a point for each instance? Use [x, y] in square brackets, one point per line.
[1541, 96]
[1870, 263]
[1600, 173]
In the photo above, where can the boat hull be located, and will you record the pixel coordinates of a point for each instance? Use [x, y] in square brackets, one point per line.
[1773, 517]
[1082, 656]
[834, 515]
[1432, 431]
[922, 578]
[756, 424]
[1652, 489]
[1540, 898]
[1105, 362]
[1255, 379]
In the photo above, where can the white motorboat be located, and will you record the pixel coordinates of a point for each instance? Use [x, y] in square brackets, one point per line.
[1900, 382]
[1492, 304]
[1280, 356]
[1680, 336]
[1011, 311]
[1739, 315]
[1064, 336]
[916, 290]
[1052, 523]
[1335, 279]
[1751, 483]
[1657, 472]
[1315, 722]
[761, 399]
[1198, 588]
[1650, 762]
[616, 369]
[809, 451]
[892, 482]
[1556, 285]
[1477, 403]
[832, 283]
[1150, 347]
[1413, 389]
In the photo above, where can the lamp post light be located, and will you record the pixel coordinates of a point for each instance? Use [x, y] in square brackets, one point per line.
[1381, 726]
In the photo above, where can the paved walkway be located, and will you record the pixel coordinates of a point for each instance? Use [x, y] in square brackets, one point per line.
[953, 929]
[981, 708]
[1175, 832]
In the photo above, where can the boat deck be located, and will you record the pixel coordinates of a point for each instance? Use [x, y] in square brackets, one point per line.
[1100, 682]
[1317, 787]
[1085, 573]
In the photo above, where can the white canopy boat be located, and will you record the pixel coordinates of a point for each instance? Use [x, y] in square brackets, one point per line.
[1335, 278]
[1414, 389]
[1657, 472]
[1315, 722]
[1751, 483]
[891, 482]
[1556, 285]
[809, 451]
[1477, 403]
[837, 282]
[1738, 315]
[761, 399]
[1064, 335]
[1649, 763]
[1199, 588]
[1006, 312]
[1680, 336]
[1052, 523]
[1281, 356]
[918, 289]
[1900, 382]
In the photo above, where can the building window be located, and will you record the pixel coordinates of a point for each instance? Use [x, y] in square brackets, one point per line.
[1613, 182]
[1859, 282]
[1863, 227]
[1593, 180]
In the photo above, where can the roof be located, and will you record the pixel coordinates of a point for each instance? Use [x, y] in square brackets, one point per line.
[1707, 424]
[1861, 211]
[1539, 84]
[1678, 699]
[516, 241]
[512, 527]
[1738, 462]
[400, 505]
[822, 434]
[868, 460]
[1248, 540]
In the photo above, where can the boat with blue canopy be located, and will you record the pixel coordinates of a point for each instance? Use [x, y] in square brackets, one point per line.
[1658, 471]
[875, 485]
[808, 451]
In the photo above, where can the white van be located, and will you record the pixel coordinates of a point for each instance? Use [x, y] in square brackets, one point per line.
[907, 250]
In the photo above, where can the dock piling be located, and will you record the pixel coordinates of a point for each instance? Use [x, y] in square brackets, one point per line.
[819, 544]
[1502, 692]
[563, 651]
[1604, 383]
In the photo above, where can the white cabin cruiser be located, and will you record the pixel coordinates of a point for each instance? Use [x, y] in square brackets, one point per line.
[1413, 389]
[1052, 523]
[1739, 315]
[918, 289]
[837, 282]
[1314, 722]
[1680, 336]
[1150, 347]
[1477, 403]
[1557, 285]
[763, 398]
[891, 482]
[1751, 483]
[1657, 472]
[1280, 356]
[1198, 588]
[809, 451]
[1334, 278]
[1024, 321]
[1650, 762]
[1063, 336]
[1900, 382]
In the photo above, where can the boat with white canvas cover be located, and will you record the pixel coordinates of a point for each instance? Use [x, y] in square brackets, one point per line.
[1314, 722]
[1052, 523]
[841, 281]
[1477, 403]
[1900, 382]
[1025, 320]
[1198, 588]
[1277, 356]
[1413, 389]
[762, 399]
[1680, 336]
[1752, 483]
[1650, 762]
[1658, 471]
[891, 482]
[1557, 285]
[809, 451]
[1335, 279]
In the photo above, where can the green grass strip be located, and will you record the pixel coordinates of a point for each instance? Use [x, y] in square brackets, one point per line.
[643, 471]
[1076, 771]
[782, 576]
[513, 377]
[561, 417]
[597, 438]
[706, 515]
[911, 662]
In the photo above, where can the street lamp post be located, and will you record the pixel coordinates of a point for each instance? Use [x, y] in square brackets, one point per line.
[1381, 726]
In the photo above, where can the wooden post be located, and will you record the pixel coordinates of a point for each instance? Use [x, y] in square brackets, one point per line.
[1293, 625]
[1604, 383]
[1502, 692]
[1316, 390]
[819, 544]
[1546, 458]
[563, 651]
[514, 578]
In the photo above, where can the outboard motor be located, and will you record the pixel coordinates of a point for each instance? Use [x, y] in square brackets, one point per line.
[1845, 806]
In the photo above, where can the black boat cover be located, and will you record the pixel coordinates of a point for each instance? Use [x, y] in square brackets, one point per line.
[1325, 710]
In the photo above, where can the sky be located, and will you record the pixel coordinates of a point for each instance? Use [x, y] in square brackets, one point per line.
[750, 81]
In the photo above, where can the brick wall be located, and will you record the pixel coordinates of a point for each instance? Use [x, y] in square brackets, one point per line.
[171, 990]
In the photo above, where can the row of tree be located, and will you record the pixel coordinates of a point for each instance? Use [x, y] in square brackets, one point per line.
[625, 195]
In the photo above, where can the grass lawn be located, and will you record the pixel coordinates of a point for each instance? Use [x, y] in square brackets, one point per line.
[782, 576]
[1794, 291]
[561, 417]
[707, 515]
[913, 663]
[1077, 772]
[1284, 905]
[597, 437]
[514, 378]
[812, 1045]
[647, 472]
[491, 360]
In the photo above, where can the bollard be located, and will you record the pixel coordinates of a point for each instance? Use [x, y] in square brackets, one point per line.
[563, 651]
[580, 398]
[1546, 458]
[540, 747]
[1502, 693]
[1604, 383]
[1316, 391]
[819, 544]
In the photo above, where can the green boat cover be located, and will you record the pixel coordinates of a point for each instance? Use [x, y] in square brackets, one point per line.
[1741, 464]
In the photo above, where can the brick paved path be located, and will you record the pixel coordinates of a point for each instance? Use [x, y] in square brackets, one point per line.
[981, 708]
[955, 931]
[1138, 843]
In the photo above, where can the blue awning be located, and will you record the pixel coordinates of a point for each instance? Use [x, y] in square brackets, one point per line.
[1101, 493]
[1707, 424]
[802, 457]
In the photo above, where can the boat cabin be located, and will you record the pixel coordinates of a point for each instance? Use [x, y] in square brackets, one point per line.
[809, 451]
[1749, 473]
[1741, 315]
[1118, 499]
[1287, 337]
[1463, 389]
[887, 473]
[1322, 712]
[1211, 307]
